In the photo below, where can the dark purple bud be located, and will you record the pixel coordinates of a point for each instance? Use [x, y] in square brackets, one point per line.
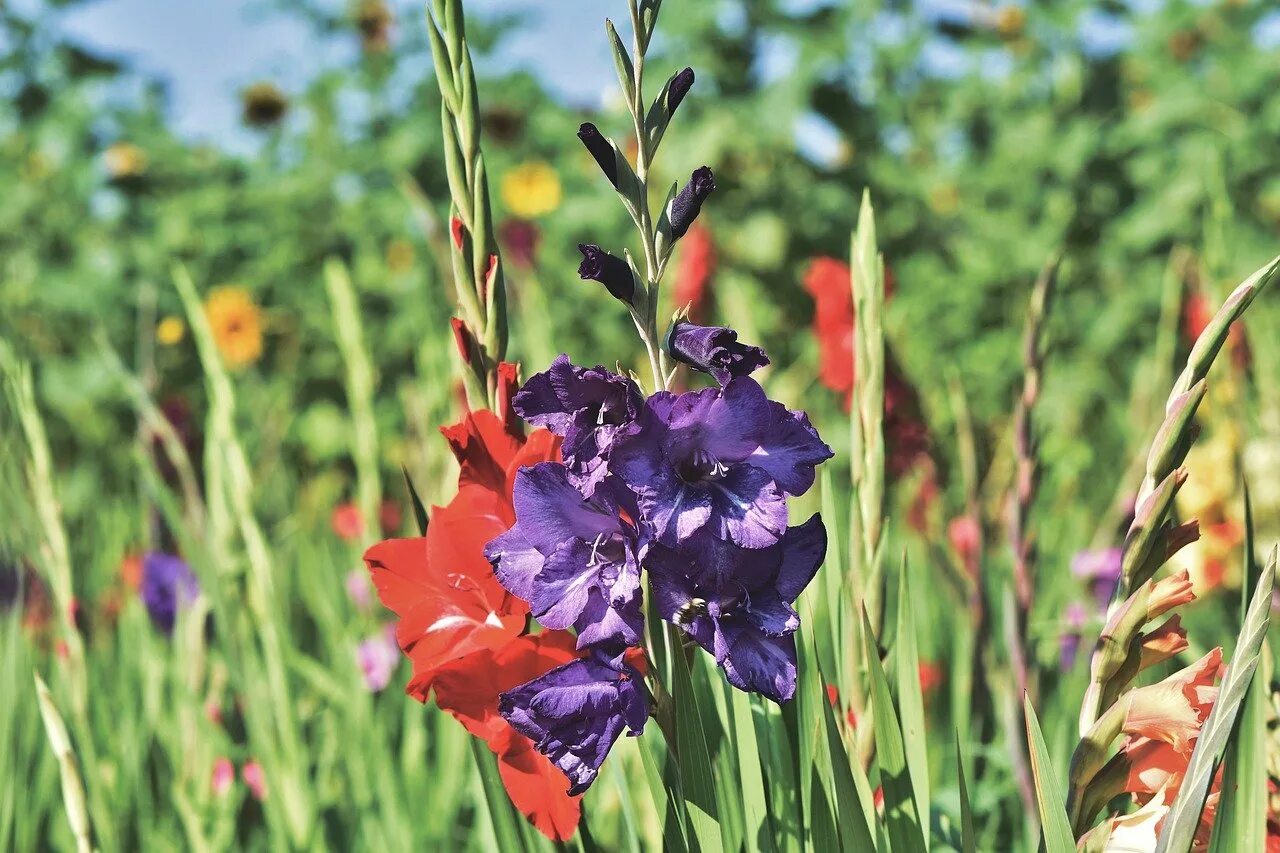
[680, 85]
[601, 150]
[714, 350]
[686, 205]
[610, 270]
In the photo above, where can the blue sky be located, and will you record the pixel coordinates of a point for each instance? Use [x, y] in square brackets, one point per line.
[210, 49]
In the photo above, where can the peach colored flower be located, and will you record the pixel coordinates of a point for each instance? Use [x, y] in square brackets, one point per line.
[1173, 710]
[1130, 833]
[1168, 593]
[1160, 644]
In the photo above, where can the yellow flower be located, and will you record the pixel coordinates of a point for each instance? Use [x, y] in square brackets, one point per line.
[170, 330]
[236, 322]
[531, 189]
[124, 160]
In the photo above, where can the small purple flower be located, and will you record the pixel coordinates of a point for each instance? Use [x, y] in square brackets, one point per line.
[687, 204]
[572, 558]
[714, 350]
[601, 150]
[377, 657]
[1075, 617]
[737, 602]
[1101, 570]
[723, 459]
[592, 409]
[168, 585]
[574, 713]
[678, 88]
[610, 270]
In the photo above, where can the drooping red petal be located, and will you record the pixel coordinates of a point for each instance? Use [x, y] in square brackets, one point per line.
[538, 789]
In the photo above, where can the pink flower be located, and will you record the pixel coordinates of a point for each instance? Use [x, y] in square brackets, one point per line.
[377, 658]
[224, 773]
[255, 779]
[358, 588]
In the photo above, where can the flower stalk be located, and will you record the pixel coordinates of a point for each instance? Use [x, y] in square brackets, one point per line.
[473, 246]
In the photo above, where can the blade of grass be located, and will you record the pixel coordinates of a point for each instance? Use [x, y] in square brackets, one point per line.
[902, 821]
[968, 844]
[1053, 810]
[1184, 816]
[1241, 822]
[72, 785]
[755, 808]
[910, 698]
[692, 755]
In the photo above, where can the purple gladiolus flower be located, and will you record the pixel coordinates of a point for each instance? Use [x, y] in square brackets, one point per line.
[688, 203]
[601, 150]
[168, 585]
[680, 86]
[573, 558]
[737, 602]
[610, 270]
[574, 713]
[592, 409]
[1101, 569]
[723, 459]
[714, 350]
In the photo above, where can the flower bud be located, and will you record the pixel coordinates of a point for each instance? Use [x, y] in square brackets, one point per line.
[601, 150]
[610, 270]
[680, 85]
[686, 206]
[714, 350]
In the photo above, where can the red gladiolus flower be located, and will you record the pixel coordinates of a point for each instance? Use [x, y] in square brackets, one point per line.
[693, 275]
[828, 281]
[463, 632]
[347, 523]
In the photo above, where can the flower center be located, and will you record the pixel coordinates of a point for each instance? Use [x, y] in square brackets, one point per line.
[701, 467]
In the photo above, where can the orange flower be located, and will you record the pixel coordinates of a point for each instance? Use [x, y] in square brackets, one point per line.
[236, 322]
[1129, 832]
[1173, 710]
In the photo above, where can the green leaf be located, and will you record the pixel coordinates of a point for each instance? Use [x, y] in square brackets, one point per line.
[1184, 816]
[755, 808]
[1241, 822]
[1053, 810]
[664, 787]
[968, 843]
[692, 755]
[902, 821]
[506, 821]
[419, 511]
[910, 699]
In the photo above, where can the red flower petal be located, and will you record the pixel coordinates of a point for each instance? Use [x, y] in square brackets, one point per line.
[538, 789]
[468, 688]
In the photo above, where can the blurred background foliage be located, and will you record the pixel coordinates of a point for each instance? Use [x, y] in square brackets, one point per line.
[1137, 138]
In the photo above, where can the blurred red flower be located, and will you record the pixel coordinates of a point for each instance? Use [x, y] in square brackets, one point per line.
[464, 634]
[829, 282]
[347, 523]
[693, 274]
